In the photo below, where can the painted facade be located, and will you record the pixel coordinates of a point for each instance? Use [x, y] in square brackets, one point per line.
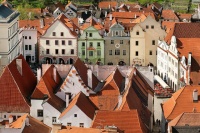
[143, 42]
[117, 46]
[91, 46]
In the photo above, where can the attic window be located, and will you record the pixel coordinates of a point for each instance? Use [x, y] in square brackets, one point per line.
[147, 27]
[75, 115]
[54, 33]
[81, 124]
[137, 33]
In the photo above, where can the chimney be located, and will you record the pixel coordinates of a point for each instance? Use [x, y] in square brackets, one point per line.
[105, 13]
[41, 23]
[39, 73]
[110, 17]
[67, 98]
[135, 16]
[10, 119]
[27, 121]
[195, 95]
[54, 73]
[189, 66]
[89, 75]
[19, 65]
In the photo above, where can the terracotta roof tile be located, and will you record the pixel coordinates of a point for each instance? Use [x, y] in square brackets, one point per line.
[181, 101]
[129, 14]
[35, 125]
[16, 88]
[48, 86]
[80, 130]
[105, 4]
[19, 122]
[169, 15]
[83, 103]
[127, 121]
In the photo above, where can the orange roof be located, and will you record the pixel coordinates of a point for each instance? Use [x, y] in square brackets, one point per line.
[169, 15]
[192, 119]
[181, 101]
[16, 88]
[127, 121]
[19, 122]
[35, 125]
[186, 45]
[80, 130]
[185, 16]
[107, 98]
[83, 103]
[93, 23]
[48, 86]
[106, 4]
[129, 14]
[168, 25]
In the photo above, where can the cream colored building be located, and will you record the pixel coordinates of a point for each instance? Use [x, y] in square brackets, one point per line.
[143, 42]
[10, 45]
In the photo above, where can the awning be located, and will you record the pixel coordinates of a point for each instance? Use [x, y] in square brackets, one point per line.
[162, 83]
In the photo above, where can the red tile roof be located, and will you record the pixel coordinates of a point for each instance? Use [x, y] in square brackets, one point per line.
[181, 101]
[107, 98]
[129, 14]
[105, 4]
[16, 88]
[169, 15]
[35, 125]
[81, 130]
[48, 86]
[125, 121]
[83, 103]
[82, 71]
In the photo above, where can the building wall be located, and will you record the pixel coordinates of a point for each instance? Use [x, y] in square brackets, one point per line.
[75, 121]
[95, 39]
[35, 106]
[58, 27]
[116, 34]
[5, 115]
[50, 112]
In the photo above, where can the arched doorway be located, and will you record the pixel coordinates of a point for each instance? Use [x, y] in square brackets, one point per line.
[70, 61]
[121, 63]
[47, 60]
[61, 61]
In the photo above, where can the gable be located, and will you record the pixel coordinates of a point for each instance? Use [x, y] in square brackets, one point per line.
[117, 26]
[58, 27]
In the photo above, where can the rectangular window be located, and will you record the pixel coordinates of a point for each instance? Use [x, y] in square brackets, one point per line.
[4, 116]
[112, 42]
[39, 113]
[47, 51]
[63, 42]
[69, 124]
[83, 52]
[25, 37]
[110, 52]
[53, 119]
[121, 41]
[63, 51]
[69, 42]
[90, 34]
[136, 43]
[153, 42]
[47, 42]
[116, 33]
[91, 44]
[98, 44]
[136, 53]
[150, 52]
[72, 51]
[75, 115]
[61, 33]
[117, 52]
[98, 52]
[90, 53]
[56, 42]
[54, 33]
[147, 27]
[83, 44]
[152, 27]
[137, 33]
[56, 51]
[33, 58]
[29, 37]
[124, 52]
[81, 124]
[30, 47]
[26, 47]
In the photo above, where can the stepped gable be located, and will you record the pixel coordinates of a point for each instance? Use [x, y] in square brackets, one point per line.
[81, 68]
[16, 88]
[47, 87]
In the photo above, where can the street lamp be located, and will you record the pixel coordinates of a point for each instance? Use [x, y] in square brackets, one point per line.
[86, 38]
